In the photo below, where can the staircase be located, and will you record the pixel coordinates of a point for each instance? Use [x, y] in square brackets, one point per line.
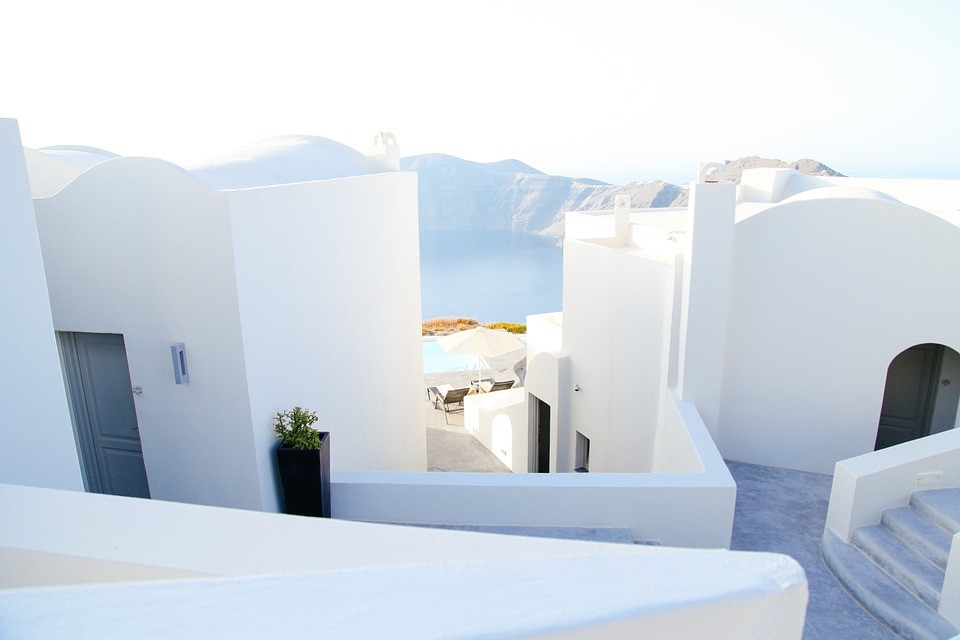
[896, 568]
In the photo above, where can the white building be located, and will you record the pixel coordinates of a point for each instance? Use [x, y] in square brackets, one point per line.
[808, 319]
[214, 309]
[273, 292]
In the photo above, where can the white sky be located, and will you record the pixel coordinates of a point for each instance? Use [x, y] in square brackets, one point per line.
[613, 90]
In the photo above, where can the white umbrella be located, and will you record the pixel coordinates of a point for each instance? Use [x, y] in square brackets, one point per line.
[480, 342]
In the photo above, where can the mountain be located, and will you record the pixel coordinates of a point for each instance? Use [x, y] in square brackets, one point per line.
[457, 194]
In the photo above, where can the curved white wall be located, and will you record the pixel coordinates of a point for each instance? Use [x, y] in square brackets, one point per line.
[135, 247]
[825, 294]
[36, 439]
[296, 294]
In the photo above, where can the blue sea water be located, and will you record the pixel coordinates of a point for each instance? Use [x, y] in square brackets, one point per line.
[493, 276]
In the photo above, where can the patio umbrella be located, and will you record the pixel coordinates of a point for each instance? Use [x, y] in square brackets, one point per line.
[480, 342]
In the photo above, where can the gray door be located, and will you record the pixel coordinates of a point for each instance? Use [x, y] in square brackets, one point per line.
[99, 382]
[909, 395]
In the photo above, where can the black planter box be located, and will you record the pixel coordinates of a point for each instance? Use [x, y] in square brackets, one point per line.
[305, 478]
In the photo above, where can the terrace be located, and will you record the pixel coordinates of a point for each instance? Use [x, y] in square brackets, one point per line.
[777, 510]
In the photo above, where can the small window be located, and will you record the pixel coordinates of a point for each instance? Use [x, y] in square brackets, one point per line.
[582, 462]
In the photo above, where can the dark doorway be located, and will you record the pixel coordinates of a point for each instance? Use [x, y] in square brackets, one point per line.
[541, 415]
[909, 395]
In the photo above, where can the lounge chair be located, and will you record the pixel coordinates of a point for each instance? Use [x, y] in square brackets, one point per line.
[500, 386]
[480, 385]
[448, 398]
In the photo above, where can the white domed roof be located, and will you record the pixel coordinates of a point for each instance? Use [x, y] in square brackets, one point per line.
[284, 160]
[822, 193]
[77, 157]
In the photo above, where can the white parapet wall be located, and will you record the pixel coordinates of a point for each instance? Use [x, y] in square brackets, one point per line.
[679, 509]
[191, 571]
[866, 485]
[690, 503]
[683, 444]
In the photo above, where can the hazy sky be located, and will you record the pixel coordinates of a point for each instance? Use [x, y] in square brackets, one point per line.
[617, 91]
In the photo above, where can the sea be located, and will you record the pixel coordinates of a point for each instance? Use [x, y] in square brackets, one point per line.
[493, 276]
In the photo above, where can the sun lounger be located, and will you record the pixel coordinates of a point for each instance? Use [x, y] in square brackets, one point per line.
[498, 386]
[448, 399]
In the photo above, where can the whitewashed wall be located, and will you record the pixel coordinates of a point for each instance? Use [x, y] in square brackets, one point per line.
[363, 580]
[826, 293]
[328, 281]
[674, 509]
[548, 380]
[950, 595]
[499, 421]
[705, 294]
[544, 333]
[618, 304]
[677, 449]
[137, 247]
[37, 446]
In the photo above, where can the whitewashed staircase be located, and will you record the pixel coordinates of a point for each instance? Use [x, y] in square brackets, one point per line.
[896, 568]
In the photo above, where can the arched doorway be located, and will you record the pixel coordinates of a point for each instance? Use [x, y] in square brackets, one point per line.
[921, 394]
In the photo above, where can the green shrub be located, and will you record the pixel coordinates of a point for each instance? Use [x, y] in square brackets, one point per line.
[294, 428]
[512, 327]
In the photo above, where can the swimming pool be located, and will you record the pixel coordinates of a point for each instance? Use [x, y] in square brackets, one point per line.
[436, 360]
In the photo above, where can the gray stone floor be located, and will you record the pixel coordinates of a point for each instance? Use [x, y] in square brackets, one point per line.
[784, 511]
[450, 447]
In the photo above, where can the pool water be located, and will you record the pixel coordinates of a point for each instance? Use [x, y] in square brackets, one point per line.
[436, 360]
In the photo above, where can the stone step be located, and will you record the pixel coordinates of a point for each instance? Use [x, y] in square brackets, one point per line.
[920, 534]
[883, 596]
[940, 506]
[915, 573]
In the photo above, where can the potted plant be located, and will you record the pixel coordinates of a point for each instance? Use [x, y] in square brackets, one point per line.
[303, 457]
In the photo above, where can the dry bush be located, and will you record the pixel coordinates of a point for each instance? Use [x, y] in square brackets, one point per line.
[445, 326]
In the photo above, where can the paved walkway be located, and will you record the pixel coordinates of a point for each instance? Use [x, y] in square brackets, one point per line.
[784, 511]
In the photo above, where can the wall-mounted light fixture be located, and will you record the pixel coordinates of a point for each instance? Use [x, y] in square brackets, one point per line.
[180, 373]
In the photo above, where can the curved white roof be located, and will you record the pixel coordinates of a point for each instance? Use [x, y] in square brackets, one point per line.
[284, 160]
[77, 157]
[821, 193]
